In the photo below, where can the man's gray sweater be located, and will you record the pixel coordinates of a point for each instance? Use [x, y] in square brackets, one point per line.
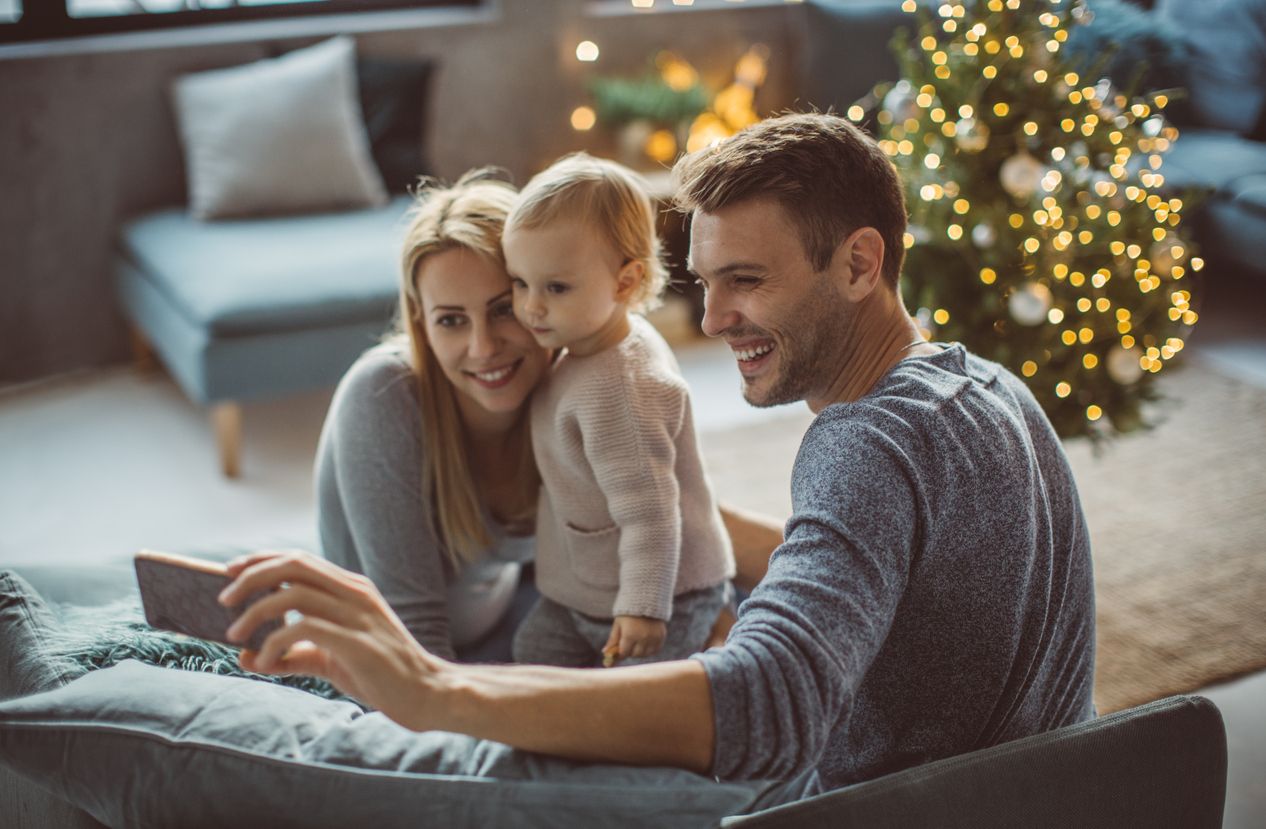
[934, 594]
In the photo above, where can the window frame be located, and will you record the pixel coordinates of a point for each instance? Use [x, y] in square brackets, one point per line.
[50, 20]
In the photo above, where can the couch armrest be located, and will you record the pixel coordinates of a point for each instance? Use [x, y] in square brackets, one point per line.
[24, 804]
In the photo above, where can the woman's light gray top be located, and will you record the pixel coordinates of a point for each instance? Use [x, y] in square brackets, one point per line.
[934, 594]
[373, 517]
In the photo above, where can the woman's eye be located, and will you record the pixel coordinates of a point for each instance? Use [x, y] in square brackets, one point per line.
[449, 321]
[504, 309]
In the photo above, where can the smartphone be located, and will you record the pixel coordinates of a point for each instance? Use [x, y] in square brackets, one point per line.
[179, 594]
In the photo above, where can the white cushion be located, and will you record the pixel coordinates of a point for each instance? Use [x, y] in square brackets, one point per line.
[283, 135]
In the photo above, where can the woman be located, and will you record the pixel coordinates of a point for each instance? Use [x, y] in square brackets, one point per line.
[425, 477]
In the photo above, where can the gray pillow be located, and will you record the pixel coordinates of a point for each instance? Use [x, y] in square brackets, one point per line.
[284, 135]
[137, 745]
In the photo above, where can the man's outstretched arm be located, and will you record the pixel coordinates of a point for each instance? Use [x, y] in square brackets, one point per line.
[658, 714]
[653, 715]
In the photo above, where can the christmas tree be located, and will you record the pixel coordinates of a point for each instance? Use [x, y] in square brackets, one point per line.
[1040, 233]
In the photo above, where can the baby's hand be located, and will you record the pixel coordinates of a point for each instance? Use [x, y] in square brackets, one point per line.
[633, 636]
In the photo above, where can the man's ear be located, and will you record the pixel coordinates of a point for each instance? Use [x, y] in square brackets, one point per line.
[628, 279]
[860, 263]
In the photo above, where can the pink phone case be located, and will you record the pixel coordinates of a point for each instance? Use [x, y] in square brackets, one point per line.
[179, 594]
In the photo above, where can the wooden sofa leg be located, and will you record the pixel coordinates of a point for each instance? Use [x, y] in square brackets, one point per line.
[142, 352]
[226, 419]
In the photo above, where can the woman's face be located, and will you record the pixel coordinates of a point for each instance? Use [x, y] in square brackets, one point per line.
[491, 360]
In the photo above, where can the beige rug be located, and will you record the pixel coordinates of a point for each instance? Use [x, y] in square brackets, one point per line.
[1177, 520]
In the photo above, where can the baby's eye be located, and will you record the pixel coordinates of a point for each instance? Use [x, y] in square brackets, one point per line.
[557, 288]
[517, 284]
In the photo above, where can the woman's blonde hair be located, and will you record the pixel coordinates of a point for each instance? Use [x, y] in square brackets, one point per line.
[470, 214]
[611, 197]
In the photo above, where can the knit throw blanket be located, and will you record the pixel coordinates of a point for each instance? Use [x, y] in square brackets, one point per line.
[92, 638]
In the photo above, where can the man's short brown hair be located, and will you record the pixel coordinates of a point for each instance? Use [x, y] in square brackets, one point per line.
[828, 175]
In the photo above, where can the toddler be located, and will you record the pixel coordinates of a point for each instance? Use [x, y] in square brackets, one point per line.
[632, 559]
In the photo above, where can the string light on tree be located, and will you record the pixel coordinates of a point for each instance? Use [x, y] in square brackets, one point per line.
[1058, 251]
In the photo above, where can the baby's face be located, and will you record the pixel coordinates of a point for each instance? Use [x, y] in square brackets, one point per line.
[566, 281]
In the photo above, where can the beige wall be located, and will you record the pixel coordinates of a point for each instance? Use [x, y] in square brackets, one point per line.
[87, 137]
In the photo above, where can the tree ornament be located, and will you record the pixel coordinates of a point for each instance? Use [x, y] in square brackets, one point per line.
[983, 235]
[1029, 303]
[972, 136]
[1021, 175]
[900, 102]
[1161, 255]
[1123, 365]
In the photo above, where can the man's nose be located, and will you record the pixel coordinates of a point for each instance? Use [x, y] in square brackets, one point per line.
[717, 318]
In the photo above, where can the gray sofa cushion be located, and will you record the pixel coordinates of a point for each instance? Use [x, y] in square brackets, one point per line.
[1226, 74]
[237, 278]
[136, 745]
[1211, 158]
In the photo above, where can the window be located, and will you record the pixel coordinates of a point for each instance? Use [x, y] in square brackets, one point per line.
[23, 20]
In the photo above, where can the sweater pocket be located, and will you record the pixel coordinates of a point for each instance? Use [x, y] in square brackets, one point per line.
[595, 556]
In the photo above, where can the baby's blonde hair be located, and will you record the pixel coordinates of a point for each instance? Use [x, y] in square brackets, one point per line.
[611, 197]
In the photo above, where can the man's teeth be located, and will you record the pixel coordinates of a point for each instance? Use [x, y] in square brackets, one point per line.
[494, 376]
[746, 354]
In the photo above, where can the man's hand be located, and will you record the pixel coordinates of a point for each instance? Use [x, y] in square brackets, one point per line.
[347, 635]
[634, 636]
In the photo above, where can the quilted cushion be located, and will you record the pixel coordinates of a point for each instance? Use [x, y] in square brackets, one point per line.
[265, 275]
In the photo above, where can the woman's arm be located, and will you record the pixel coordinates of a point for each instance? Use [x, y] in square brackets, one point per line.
[371, 513]
[754, 537]
[659, 714]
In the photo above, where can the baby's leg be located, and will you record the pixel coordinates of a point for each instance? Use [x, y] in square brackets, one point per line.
[548, 636]
[694, 614]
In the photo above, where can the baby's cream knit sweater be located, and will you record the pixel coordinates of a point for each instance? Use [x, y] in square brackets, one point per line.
[626, 519]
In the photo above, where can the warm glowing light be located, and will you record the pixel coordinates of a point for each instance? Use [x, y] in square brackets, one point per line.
[1090, 361]
[941, 316]
[661, 146]
[1093, 413]
[583, 118]
[856, 113]
[1029, 368]
[1062, 389]
[988, 276]
[587, 51]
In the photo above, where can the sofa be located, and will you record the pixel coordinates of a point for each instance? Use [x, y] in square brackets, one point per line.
[139, 745]
[282, 268]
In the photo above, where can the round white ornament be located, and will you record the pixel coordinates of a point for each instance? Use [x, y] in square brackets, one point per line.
[971, 135]
[1029, 303]
[1021, 175]
[900, 102]
[1123, 365]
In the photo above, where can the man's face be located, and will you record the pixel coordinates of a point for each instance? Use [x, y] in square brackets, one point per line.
[786, 323]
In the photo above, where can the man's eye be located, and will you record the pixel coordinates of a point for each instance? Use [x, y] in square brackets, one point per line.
[746, 281]
[703, 286]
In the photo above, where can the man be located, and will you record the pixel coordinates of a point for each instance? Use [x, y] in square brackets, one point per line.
[933, 594]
